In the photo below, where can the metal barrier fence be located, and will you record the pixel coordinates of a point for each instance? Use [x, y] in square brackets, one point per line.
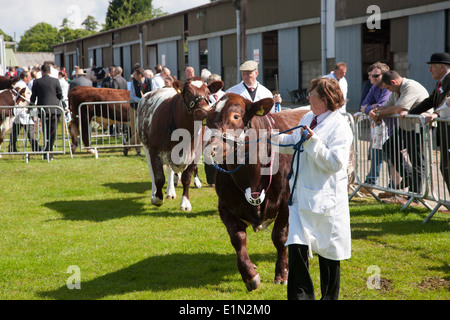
[33, 130]
[398, 156]
[107, 125]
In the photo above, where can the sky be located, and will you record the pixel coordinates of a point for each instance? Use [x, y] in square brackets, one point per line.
[20, 15]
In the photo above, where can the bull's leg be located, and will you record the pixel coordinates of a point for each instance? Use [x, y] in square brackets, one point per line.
[186, 181]
[279, 237]
[156, 195]
[74, 133]
[238, 236]
[197, 182]
[170, 189]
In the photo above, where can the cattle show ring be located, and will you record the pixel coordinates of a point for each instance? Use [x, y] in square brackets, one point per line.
[185, 199]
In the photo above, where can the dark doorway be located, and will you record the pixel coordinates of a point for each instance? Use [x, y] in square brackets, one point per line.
[376, 46]
[270, 56]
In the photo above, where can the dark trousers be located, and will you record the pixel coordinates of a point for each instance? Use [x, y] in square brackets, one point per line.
[444, 139]
[413, 175]
[300, 286]
[15, 133]
[49, 126]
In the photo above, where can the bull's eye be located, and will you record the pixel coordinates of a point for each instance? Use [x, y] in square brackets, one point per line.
[236, 117]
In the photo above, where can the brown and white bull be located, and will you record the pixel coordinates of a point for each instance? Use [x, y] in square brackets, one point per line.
[7, 82]
[255, 193]
[165, 122]
[11, 97]
[116, 113]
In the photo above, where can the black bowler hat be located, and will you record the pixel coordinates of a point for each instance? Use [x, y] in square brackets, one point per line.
[440, 57]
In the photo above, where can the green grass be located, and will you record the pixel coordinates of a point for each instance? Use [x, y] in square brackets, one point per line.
[96, 214]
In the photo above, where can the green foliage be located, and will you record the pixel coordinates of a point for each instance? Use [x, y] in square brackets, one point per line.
[5, 36]
[39, 38]
[125, 12]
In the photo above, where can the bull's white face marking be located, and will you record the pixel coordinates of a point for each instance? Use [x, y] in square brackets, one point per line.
[221, 104]
[197, 83]
[26, 95]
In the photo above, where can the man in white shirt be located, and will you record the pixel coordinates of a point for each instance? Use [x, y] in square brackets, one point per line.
[158, 78]
[339, 75]
[250, 88]
[23, 118]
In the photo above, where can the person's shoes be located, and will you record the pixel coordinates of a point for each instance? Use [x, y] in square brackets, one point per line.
[365, 191]
[125, 152]
[383, 195]
[396, 200]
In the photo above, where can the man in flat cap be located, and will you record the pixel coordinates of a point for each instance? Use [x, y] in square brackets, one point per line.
[439, 69]
[250, 88]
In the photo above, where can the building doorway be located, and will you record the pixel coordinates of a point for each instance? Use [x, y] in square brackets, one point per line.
[270, 56]
[376, 46]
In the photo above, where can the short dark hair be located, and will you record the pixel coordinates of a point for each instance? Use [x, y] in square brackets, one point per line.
[45, 68]
[390, 75]
[379, 65]
[140, 71]
[23, 74]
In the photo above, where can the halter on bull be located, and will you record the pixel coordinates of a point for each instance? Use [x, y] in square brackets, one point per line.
[235, 206]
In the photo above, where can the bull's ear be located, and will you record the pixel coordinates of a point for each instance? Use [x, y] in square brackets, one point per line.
[260, 108]
[178, 85]
[215, 86]
[200, 115]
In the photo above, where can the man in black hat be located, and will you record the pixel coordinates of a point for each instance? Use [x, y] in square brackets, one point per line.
[439, 69]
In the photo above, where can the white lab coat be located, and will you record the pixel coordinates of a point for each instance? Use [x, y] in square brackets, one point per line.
[261, 92]
[319, 216]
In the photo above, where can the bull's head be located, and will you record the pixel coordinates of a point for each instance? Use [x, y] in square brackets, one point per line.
[196, 96]
[22, 96]
[229, 119]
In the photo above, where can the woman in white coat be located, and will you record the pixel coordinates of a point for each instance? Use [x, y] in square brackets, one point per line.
[319, 218]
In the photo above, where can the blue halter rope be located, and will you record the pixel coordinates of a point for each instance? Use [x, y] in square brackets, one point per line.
[298, 147]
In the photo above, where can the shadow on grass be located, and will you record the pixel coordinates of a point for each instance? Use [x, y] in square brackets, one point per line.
[391, 220]
[107, 209]
[158, 274]
[130, 187]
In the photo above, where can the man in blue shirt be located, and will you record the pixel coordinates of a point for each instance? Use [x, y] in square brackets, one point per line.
[375, 98]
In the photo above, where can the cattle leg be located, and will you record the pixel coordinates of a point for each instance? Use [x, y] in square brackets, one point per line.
[279, 237]
[238, 236]
[197, 182]
[170, 189]
[156, 195]
[186, 181]
[74, 133]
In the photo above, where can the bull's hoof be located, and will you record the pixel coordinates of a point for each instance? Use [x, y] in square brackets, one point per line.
[171, 196]
[185, 204]
[282, 282]
[91, 151]
[157, 201]
[254, 283]
[197, 183]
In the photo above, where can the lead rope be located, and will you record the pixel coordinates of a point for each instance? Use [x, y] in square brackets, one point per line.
[298, 148]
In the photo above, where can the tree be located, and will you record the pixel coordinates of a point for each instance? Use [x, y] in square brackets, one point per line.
[39, 38]
[90, 24]
[125, 12]
[5, 36]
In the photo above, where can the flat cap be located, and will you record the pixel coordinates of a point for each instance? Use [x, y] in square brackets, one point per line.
[440, 57]
[249, 65]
